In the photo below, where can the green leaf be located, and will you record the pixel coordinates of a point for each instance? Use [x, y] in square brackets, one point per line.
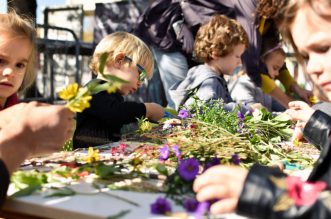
[162, 169]
[119, 215]
[103, 61]
[27, 191]
[114, 79]
[105, 171]
[60, 192]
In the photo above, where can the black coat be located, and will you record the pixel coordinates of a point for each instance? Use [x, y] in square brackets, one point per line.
[102, 122]
[4, 182]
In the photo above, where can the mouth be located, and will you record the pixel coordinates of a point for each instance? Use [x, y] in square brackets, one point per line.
[6, 84]
[325, 85]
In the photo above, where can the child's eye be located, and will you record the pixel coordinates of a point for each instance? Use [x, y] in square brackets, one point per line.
[323, 49]
[20, 65]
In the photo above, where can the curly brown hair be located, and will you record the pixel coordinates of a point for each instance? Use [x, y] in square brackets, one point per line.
[220, 34]
[271, 8]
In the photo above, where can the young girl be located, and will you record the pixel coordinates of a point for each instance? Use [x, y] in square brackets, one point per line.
[243, 88]
[129, 59]
[265, 192]
[219, 44]
[17, 57]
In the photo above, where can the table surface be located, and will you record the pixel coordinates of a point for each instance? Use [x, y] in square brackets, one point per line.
[91, 206]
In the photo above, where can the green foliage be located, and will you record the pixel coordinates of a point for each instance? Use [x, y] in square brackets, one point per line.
[213, 113]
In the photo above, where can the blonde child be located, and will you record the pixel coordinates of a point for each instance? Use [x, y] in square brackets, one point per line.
[129, 59]
[219, 44]
[17, 57]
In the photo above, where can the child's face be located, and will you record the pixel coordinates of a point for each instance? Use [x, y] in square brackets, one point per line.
[228, 63]
[274, 62]
[130, 73]
[14, 55]
[312, 37]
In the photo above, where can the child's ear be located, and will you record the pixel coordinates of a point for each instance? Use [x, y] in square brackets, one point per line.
[119, 59]
[214, 54]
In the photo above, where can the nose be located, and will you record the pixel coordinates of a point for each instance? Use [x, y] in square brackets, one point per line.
[7, 71]
[314, 65]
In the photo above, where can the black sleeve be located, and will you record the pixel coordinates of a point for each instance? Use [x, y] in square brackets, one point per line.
[268, 193]
[4, 182]
[112, 109]
[317, 129]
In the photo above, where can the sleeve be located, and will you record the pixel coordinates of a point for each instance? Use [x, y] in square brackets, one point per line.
[267, 85]
[317, 129]
[285, 78]
[243, 91]
[112, 109]
[268, 193]
[4, 182]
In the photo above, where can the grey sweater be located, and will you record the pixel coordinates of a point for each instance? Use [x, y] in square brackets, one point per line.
[205, 84]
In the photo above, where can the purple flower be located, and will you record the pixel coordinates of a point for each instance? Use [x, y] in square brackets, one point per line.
[175, 148]
[161, 206]
[165, 152]
[183, 114]
[188, 169]
[235, 159]
[202, 208]
[167, 126]
[190, 204]
[240, 116]
[214, 161]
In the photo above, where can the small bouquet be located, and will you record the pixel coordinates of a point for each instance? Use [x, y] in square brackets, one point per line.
[78, 98]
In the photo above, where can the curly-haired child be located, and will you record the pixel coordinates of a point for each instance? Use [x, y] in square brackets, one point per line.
[219, 44]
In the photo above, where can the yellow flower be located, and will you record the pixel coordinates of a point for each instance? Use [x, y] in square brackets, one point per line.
[145, 126]
[313, 99]
[80, 104]
[69, 92]
[114, 87]
[92, 155]
[297, 142]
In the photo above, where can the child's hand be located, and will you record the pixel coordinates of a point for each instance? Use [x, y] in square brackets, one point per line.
[154, 111]
[299, 111]
[221, 182]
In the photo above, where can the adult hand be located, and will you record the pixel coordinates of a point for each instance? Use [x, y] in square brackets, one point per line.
[221, 182]
[34, 128]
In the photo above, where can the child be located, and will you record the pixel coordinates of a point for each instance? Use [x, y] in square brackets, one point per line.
[219, 44]
[131, 60]
[265, 192]
[17, 57]
[243, 89]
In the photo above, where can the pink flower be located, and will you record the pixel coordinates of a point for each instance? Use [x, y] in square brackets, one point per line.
[303, 193]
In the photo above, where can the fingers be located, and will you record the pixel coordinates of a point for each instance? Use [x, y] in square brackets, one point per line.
[298, 105]
[212, 191]
[224, 206]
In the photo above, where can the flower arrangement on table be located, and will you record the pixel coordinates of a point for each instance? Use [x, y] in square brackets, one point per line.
[174, 152]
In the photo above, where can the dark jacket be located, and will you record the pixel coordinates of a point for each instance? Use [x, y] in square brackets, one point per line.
[267, 192]
[4, 182]
[102, 122]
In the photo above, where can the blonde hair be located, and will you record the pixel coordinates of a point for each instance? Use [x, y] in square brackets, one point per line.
[123, 42]
[220, 34]
[22, 27]
[290, 13]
